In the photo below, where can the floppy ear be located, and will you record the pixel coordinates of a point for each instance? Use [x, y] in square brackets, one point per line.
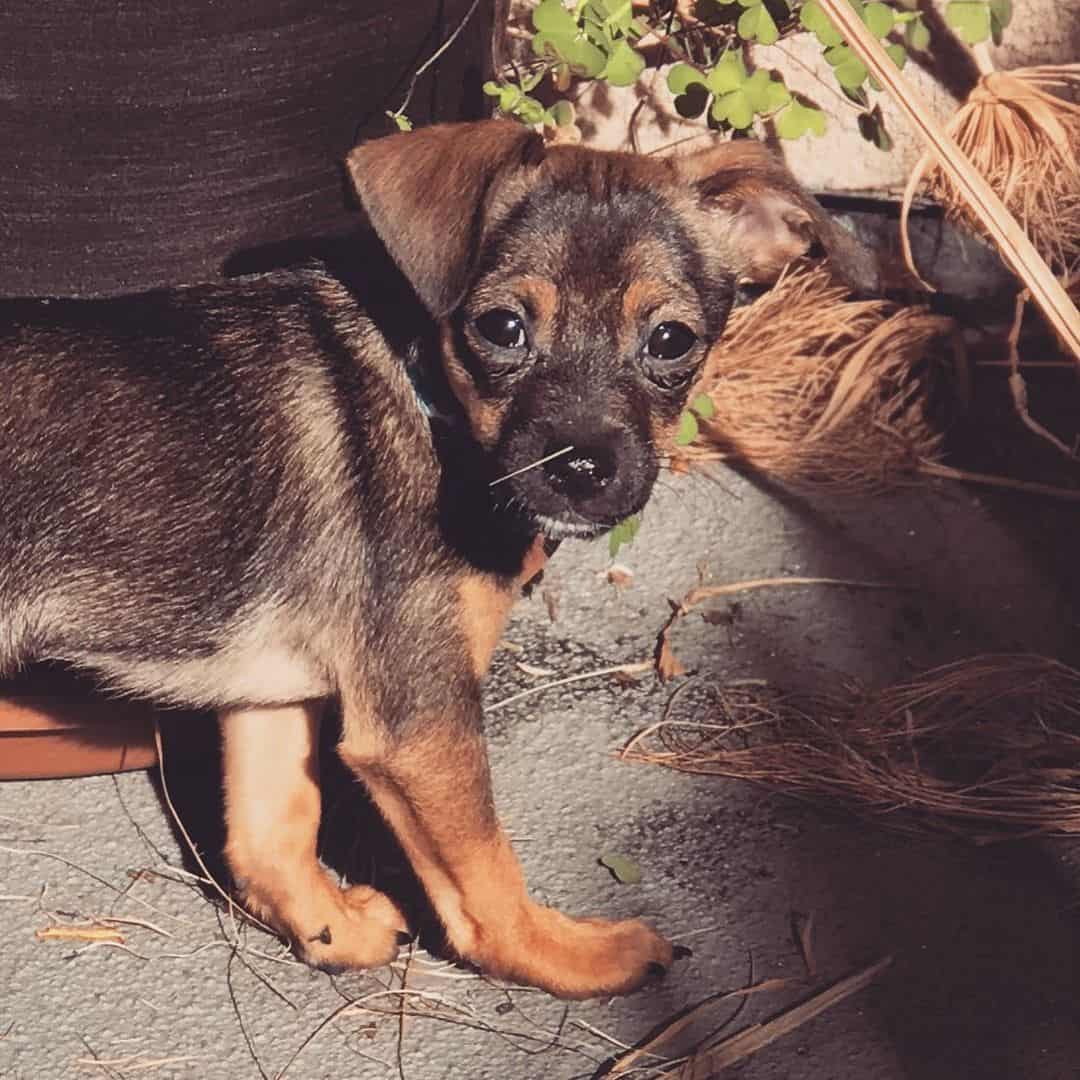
[764, 219]
[424, 193]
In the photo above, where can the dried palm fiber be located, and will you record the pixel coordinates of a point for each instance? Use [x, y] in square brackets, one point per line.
[1022, 133]
[984, 747]
[815, 388]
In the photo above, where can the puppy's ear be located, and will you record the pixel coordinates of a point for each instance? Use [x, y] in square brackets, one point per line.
[424, 193]
[763, 219]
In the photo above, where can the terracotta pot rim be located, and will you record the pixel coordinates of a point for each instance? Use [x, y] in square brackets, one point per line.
[43, 738]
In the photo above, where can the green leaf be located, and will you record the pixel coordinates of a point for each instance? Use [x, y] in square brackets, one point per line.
[600, 36]
[623, 533]
[1002, 10]
[530, 110]
[682, 76]
[585, 58]
[755, 23]
[817, 22]
[1000, 17]
[858, 95]
[970, 19]
[616, 538]
[561, 114]
[624, 65]
[816, 122]
[764, 93]
[917, 35]
[734, 108]
[798, 119]
[620, 16]
[897, 53]
[545, 44]
[550, 17]
[728, 74]
[811, 16]
[626, 871]
[509, 99]
[791, 123]
[401, 120]
[851, 74]
[703, 405]
[879, 19]
[688, 427]
[750, 3]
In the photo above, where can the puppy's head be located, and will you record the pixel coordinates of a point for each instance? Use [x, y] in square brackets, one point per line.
[578, 292]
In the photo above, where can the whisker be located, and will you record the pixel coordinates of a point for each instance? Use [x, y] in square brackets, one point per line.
[526, 468]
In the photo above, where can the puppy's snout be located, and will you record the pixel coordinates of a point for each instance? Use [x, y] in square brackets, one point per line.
[583, 472]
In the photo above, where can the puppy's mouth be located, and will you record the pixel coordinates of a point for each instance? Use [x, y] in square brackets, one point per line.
[567, 526]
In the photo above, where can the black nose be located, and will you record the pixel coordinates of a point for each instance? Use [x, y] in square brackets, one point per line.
[582, 472]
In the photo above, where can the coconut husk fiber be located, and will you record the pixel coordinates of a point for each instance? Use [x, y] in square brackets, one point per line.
[1022, 133]
[986, 747]
[817, 389]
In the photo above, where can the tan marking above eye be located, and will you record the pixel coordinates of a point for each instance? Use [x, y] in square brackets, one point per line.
[643, 295]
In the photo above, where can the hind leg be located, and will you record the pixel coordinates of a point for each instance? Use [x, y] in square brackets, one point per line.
[273, 805]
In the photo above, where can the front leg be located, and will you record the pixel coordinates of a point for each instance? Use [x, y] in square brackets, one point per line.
[272, 809]
[432, 785]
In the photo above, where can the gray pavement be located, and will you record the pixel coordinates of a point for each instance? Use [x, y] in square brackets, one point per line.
[985, 980]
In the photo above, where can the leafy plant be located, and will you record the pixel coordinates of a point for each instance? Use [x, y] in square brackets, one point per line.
[704, 40]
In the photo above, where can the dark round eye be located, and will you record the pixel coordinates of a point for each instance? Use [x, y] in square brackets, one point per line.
[503, 328]
[670, 340]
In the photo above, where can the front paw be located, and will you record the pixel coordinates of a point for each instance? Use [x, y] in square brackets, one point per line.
[574, 958]
[362, 929]
[330, 928]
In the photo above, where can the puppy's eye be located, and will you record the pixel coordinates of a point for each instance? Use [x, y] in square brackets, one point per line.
[670, 340]
[503, 328]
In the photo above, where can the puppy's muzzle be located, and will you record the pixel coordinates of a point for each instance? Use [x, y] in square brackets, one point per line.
[591, 477]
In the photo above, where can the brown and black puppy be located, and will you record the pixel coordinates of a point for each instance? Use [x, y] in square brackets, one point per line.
[315, 483]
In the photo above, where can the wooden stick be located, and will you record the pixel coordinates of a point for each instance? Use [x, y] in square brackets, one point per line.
[1011, 239]
[748, 1041]
[947, 472]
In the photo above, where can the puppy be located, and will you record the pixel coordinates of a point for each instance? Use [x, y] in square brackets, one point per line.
[332, 482]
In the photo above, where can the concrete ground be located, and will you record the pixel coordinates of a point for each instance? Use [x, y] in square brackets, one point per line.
[985, 982]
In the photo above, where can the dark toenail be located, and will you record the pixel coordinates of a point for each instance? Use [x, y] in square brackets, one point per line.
[403, 937]
[323, 935]
[656, 970]
[681, 952]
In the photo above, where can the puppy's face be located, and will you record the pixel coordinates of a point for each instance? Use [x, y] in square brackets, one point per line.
[578, 294]
[589, 312]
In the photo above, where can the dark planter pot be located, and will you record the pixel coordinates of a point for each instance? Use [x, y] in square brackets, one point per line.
[155, 143]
